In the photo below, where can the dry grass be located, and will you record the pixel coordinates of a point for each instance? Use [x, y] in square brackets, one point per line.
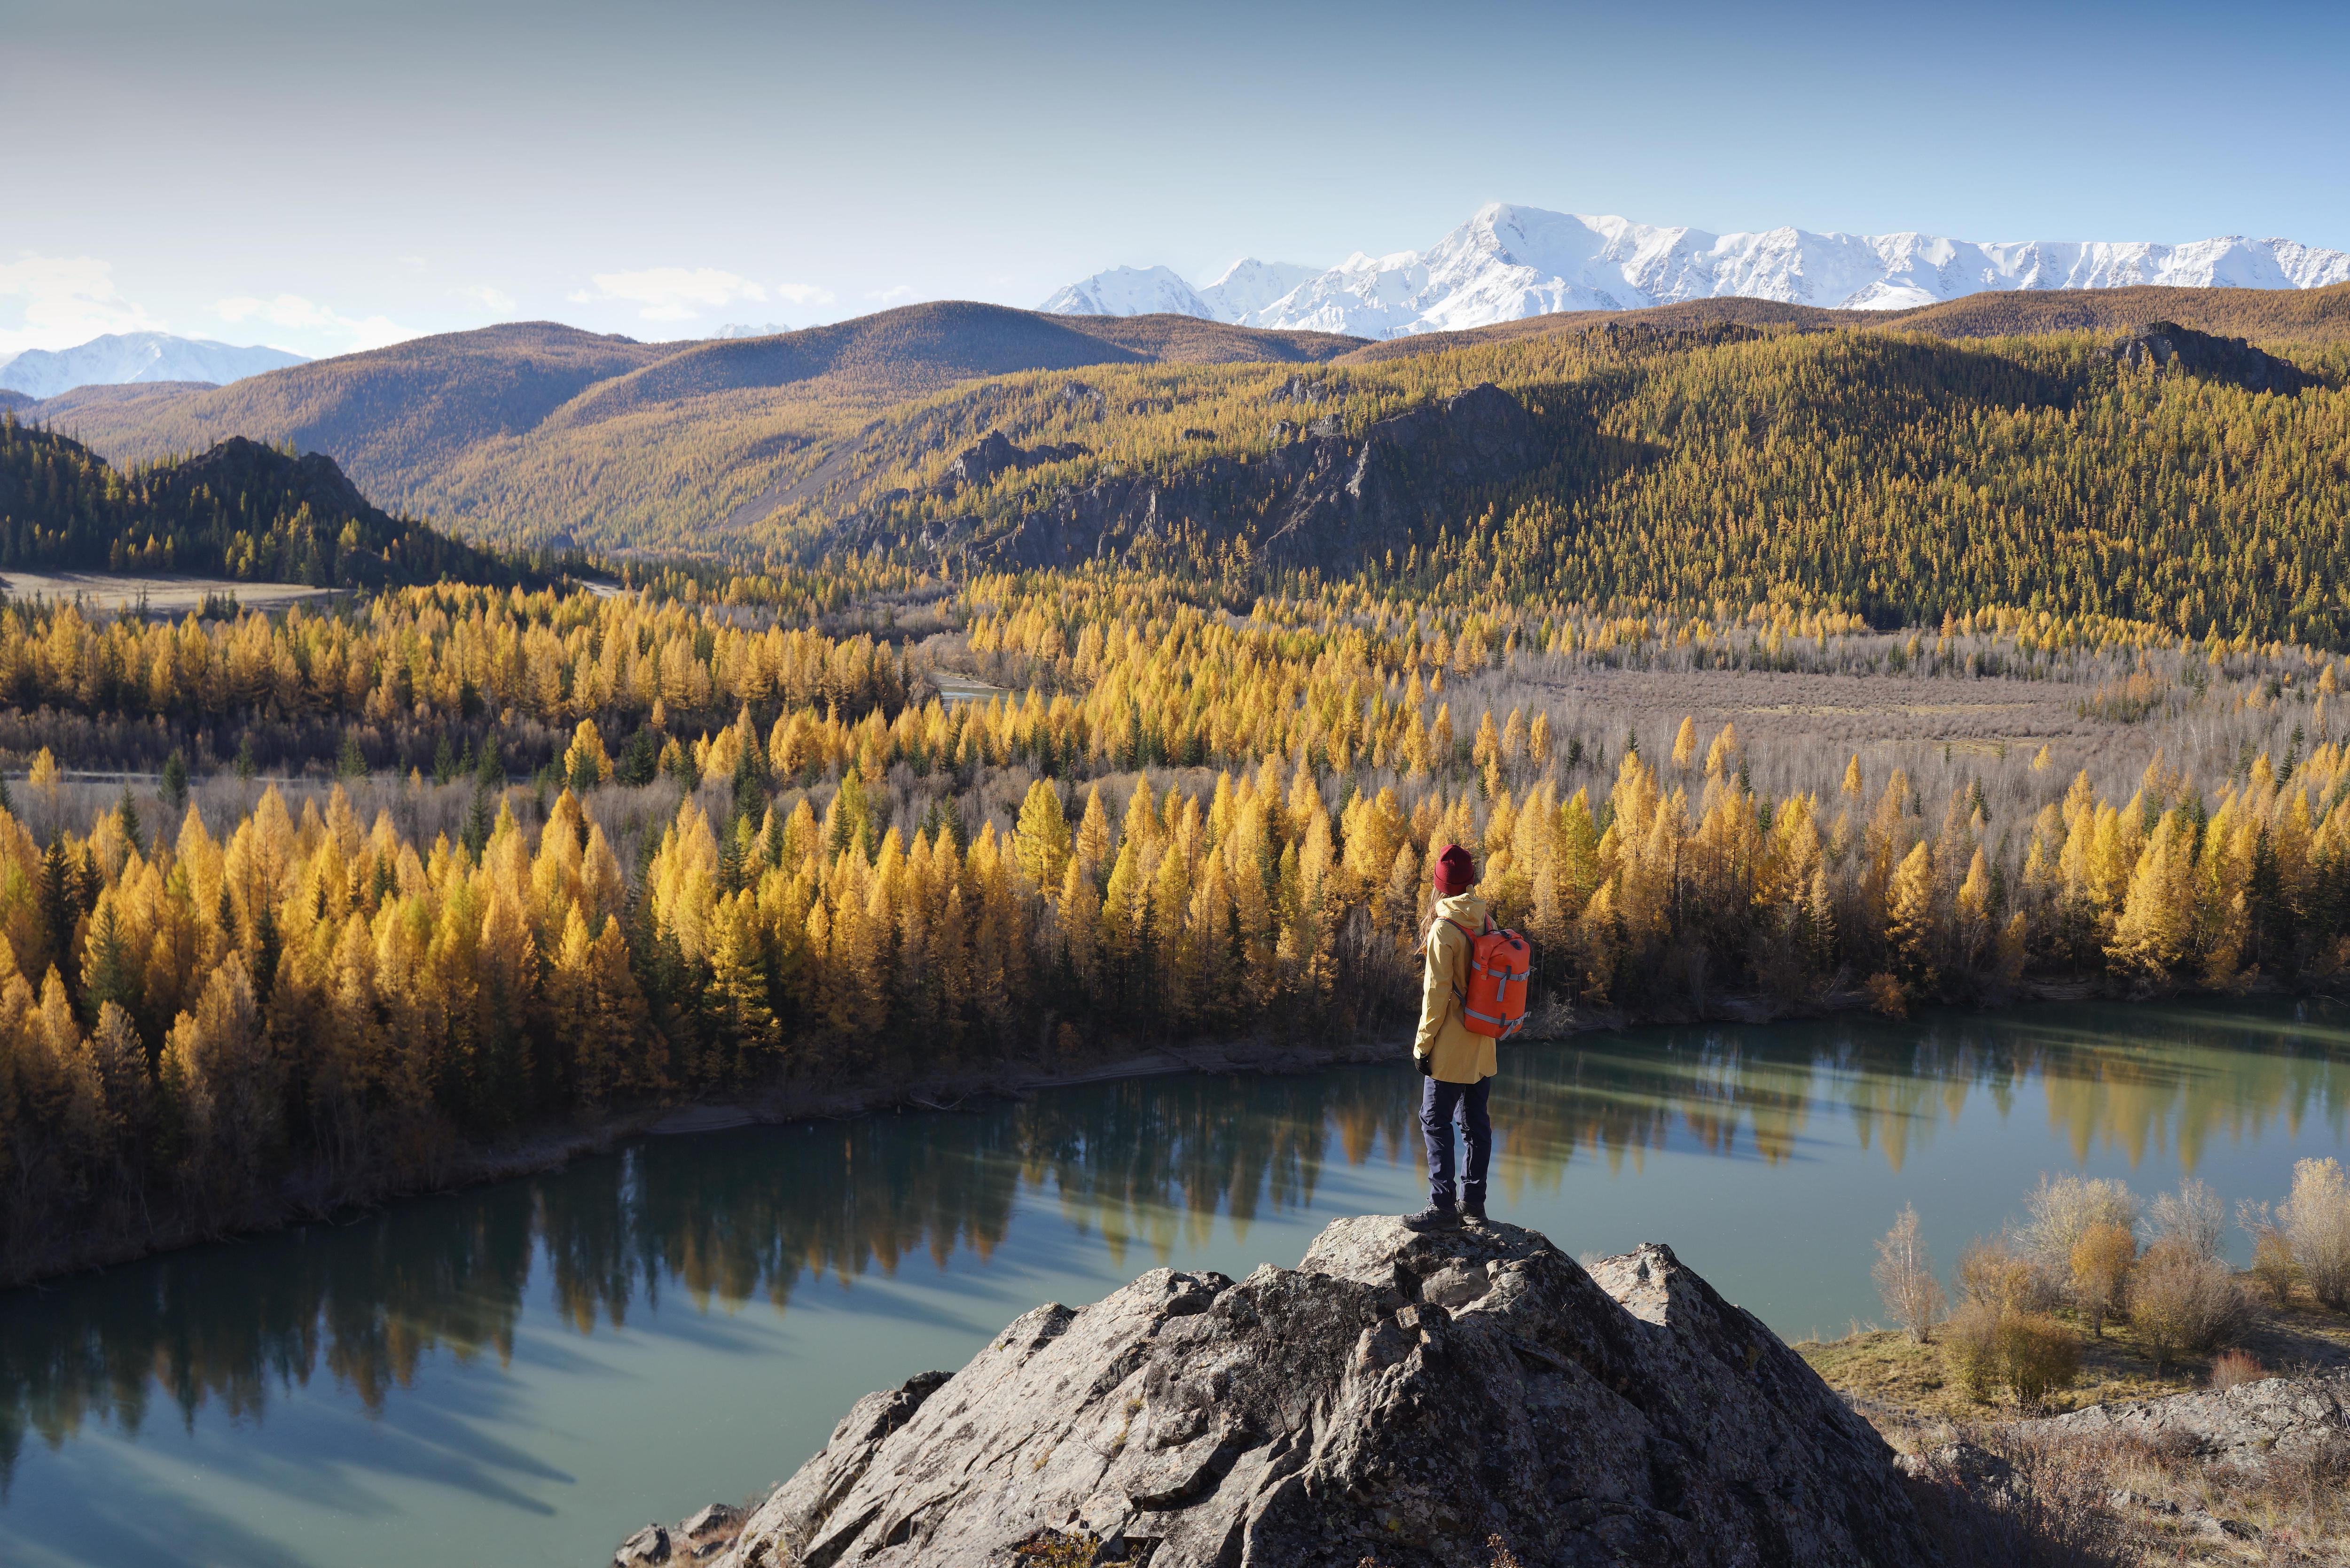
[2001, 1498]
[109, 592]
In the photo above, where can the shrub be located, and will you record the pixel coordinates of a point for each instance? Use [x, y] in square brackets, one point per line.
[1992, 1271]
[2183, 1304]
[2063, 1208]
[2041, 1356]
[2273, 1264]
[2029, 1354]
[2193, 1217]
[2235, 1368]
[1904, 1277]
[2101, 1267]
[1971, 1347]
[1887, 995]
[2317, 1224]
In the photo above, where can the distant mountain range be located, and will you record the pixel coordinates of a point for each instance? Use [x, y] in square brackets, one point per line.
[535, 432]
[1507, 263]
[121, 358]
[1247, 288]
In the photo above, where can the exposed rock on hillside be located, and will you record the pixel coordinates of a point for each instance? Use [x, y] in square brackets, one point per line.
[1396, 1398]
[2287, 1417]
[1322, 497]
[2166, 345]
[995, 454]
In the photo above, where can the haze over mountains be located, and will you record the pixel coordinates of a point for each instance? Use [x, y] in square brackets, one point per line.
[121, 359]
[1509, 263]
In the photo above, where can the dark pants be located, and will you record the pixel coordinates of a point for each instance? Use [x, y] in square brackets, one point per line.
[1438, 1102]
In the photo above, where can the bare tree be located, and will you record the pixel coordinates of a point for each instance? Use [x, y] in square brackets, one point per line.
[1904, 1277]
[2192, 1216]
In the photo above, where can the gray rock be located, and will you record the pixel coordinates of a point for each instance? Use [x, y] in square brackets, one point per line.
[2213, 1527]
[1975, 1470]
[2167, 346]
[712, 1519]
[1334, 1412]
[2294, 1417]
[647, 1546]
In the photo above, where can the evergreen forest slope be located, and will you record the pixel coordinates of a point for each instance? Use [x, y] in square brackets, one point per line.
[242, 510]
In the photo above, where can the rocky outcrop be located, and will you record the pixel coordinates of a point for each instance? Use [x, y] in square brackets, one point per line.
[695, 1539]
[1321, 496]
[1410, 1401]
[2167, 346]
[995, 453]
[2285, 1417]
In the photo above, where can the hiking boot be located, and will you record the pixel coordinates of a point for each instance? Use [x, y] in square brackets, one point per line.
[1472, 1210]
[1435, 1217]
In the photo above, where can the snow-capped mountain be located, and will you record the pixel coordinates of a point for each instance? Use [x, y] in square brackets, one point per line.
[1245, 288]
[1249, 285]
[1129, 291]
[744, 329]
[1507, 263]
[125, 357]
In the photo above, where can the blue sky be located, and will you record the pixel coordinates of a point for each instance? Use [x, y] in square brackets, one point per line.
[330, 175]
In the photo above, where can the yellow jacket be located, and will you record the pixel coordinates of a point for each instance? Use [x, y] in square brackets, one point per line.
[1459, 1057]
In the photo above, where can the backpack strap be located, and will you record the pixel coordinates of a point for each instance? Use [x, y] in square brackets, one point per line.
[1460, 994]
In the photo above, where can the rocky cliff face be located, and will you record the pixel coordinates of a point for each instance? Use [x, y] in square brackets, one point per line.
[2166, 345]
[1322, 497]
[1412, 1401]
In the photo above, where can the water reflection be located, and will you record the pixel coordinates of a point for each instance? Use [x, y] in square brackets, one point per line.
[1149, 1167]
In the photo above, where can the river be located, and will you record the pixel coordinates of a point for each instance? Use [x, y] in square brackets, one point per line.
[523, 1373]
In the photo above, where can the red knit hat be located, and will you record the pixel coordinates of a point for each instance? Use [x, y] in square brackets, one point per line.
[1455, 872]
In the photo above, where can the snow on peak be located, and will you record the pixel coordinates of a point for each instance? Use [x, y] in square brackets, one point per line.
[1248, 285]
[1509, 262]
[1129, 291]
[124, 357]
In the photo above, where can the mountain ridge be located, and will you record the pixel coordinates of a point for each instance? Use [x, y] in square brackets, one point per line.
[122, 358]
[1514, 262]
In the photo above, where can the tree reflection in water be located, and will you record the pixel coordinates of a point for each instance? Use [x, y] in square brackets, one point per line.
[1143, 1165]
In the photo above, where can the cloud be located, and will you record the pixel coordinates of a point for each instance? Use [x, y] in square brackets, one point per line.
[803, 294]
[486, 294]
[671, 292]
[292, 310]
[891, 295]
[68, 300]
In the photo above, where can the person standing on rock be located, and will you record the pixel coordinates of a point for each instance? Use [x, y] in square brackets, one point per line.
[1456, 1066]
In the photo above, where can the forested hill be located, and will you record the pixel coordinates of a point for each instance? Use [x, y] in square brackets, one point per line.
[2006, 450]
[2165, 476]
[242, 510]
[533, 429]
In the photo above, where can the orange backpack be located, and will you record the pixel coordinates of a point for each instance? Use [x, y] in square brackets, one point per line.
[1500, 962]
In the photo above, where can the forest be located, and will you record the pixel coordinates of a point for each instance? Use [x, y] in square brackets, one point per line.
[1768, 670]
[766, 854]
[241, 511]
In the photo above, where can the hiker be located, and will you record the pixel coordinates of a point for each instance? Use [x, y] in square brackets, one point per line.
[1457, 1067]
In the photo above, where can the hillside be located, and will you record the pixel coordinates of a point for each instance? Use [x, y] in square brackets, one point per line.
[2312, 316]
[241, 509]
[540, 434]
[537, 433]
[391, 417]
[2167, 476]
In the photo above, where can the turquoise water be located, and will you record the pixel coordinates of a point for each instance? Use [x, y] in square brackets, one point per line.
[523, 1373]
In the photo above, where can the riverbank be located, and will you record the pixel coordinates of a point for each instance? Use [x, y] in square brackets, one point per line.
[549, 1146]
[2131, 1465]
